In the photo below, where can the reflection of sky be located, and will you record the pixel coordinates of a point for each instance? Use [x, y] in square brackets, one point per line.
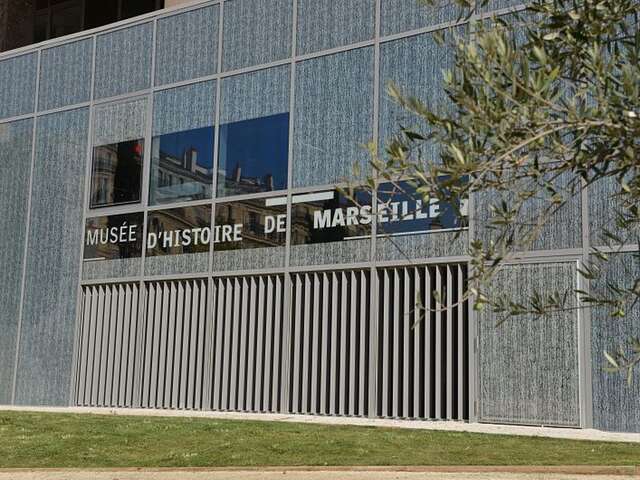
[260, 146]
[201, 139]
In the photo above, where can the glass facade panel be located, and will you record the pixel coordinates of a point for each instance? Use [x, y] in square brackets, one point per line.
[325, 24]
[113, 237]
[256, 32]
[179, 231]
[123, 61]
[398, 16]
[253, 155]
[333, 117]
[65, 75]
[187, 45]
[254, 132]
[182, 147]
[18, 80]
[116, 175]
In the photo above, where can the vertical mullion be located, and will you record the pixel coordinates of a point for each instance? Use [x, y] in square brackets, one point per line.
[149, 315]
[417, 335]
[363, 364]
[104, 349]
[324, 370]
[428, 333]
[121, 327]
[334, 343]
[385, 344]
[460, 309]
[449, 314]
[245, 332]
[438, 347]
[296, 347]
[233, 388]
[343, 342]
[219, 326]
[315, 370]
[177, 347]
[251, 341]
[268, 354]
[278, 338]
[406, 349]
[125, 356]
[396, 343]
[168, 371]
[353, 343]
[187, 346]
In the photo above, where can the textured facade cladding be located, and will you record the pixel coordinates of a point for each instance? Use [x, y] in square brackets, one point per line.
[404, 15]
[123, 61]
[325, 24]
[333, 117]
[18, 80]
[15, 166]
[529, 366]
[256, 31]
[53, 259]
[184, 108]
[120, 122]
[616, 404]
[65, 75]
[187, 46]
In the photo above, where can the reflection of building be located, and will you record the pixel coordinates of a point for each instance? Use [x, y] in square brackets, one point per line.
[182, 176]
[236, 184]
[105, 160]
[252, 215]
[179, 219]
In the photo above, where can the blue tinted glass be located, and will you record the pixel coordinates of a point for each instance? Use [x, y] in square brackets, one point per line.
[182, 166]
[254, 155]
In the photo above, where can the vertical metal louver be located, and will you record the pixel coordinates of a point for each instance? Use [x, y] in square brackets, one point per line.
[107, 350]
[423, 346]
[176, 345]
[330, 343]
[249, 350]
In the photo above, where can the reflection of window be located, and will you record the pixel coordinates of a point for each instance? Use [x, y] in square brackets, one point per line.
[249, 224]
[182, 166]
[254, 155]
[117, 173]
[113, 237]
[179, 231]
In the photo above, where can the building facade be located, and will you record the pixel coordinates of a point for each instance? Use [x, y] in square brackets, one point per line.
[173, 236]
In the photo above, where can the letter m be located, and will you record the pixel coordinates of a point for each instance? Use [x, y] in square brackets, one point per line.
[321, 219]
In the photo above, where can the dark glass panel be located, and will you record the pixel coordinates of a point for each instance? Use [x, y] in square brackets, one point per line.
[182, 166]
[114, 237]
[132, 8]
[254, 155]
[41, 27]
[100, 13]
[66, 19]
[117, 173]
[401, 210]
[250, 224]
[179, 230]
[330, 216]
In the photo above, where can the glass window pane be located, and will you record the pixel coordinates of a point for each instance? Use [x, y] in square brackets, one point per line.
[250, 224]
[253, 155]
[179, 231]
[182, 165]
[116, 177]
[113, 237]
[182, 148]
[67, 20]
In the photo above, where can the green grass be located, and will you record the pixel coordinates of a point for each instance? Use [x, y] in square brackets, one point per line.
[62, 440]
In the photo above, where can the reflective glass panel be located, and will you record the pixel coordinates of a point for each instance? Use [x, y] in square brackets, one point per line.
[179, 230]
[330, 216]
[113, 237]
[116, 175]
[254, 155]
[401, 210]
[182, 166]
[250, 224]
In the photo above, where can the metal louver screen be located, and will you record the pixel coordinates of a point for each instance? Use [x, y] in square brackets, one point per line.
[423, 346]
[107, 350]
[330, 343]
[176, 345]
[249, 347]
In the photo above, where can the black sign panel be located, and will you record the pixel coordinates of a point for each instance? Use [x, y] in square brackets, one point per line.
[114, 237]
[330, 216]
[179, 230]
[250, 224]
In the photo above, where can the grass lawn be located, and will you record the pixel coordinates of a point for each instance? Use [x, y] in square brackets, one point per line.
[63, 440]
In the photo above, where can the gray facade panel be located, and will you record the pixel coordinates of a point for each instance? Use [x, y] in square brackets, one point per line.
[604, 209]
[123, 61]
[254, 95]
[184, 108]
[529, 365]
[119, 122]
[333, 117]
[351, 251]
[403, 15]
[616, 404]
[15, 165]
[176, 264]
[65, 75]
[445, 244]
[120, 268]
[187, 45]
[256, 32]
[52, 270]
[248, 259]
[415, 65]
[18, 85]
[325, 24]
